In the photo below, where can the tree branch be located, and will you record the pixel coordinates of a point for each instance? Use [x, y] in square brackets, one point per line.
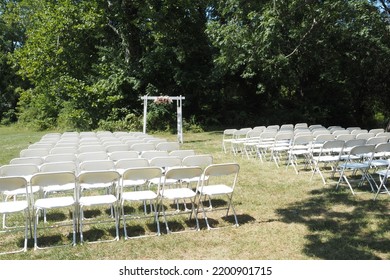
[303, 38]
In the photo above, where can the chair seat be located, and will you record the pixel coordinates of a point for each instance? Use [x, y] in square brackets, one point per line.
[13, 206]
[178, 193]
[354, 166]
[85, 186]
[130, 183]
[156, 181]
[21, 191]
[57, 188]
[380, 162]
[97, 200]
[383, 173]
[325, 158]
[54, 202]
[216, 190]
[139, 195]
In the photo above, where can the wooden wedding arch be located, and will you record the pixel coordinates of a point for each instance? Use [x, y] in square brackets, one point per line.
[165, 99]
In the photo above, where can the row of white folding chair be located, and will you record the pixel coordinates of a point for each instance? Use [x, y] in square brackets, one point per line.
[338, 156]
[47, 180]
[139, 147]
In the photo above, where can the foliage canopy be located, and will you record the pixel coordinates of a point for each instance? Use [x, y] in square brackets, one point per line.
[83, 64]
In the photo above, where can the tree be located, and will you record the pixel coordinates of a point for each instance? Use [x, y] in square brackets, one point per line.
[303, 60]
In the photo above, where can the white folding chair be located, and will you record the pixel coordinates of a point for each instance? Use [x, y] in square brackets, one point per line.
[200, 160]
[141, 194]
[239, 137]
[358, 161]
[18, 170]
[61, 166]
[93, 199]
[300, 152]
[60, 181]
[383, 175]
[222, 179]
[176, 192]
[328, 157]
[281, 145]
[227, 137]
[266, 141]
[165, 163]
[8, 185]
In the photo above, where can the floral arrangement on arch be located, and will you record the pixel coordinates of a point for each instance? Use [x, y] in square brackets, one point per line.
[163, 100]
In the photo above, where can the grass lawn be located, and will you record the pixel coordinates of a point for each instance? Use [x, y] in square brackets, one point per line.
[282, 216]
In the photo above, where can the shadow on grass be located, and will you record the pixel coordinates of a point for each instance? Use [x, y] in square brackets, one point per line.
[341, 225]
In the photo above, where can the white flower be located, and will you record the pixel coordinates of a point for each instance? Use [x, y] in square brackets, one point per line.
[163, 100]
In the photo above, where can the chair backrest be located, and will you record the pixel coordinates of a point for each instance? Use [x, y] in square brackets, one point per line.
[364, 151]
[266, 136]
[12, 183]
[98, 177]
[333, 146]
[376, 140]
[300, 125]
[376, 130]
[91, 148]
[92, 156]
[222, 169]
[70, 166]
[201, 160]
[382, 150]
[228, 133]
[39, 145]
[358, 131]
[153, 153]
[168, 146]
[165, 162]
[117, 147]
[96, 165]
[284, 136]
[19, 169]
[27, 160]
[302, 139]
[34, 152]
[184, 172]
[322, 138]
[45, 179]
[118, 155]
[354, 142]
[142, 173]
[61, 157]
[241, 133]
[182, 153]
[131, 163]
[63, 150]
[345, 137]
[140, 147]
[365, 135]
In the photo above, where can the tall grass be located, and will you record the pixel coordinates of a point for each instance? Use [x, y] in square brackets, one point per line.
[282, 215]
